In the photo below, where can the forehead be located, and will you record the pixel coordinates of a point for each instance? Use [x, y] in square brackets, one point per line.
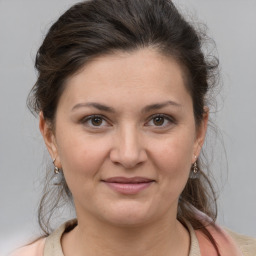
[128, 77]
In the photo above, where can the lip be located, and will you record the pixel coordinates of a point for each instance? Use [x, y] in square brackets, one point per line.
[129, 186]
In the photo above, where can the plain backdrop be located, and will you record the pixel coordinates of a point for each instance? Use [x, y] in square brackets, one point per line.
[23, 24]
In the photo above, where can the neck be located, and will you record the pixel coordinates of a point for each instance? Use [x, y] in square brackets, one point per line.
[164, 237]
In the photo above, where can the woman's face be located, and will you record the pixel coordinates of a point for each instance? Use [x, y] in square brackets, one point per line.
[126, 137]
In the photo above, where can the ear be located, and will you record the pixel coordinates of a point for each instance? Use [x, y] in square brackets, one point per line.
[49, 138]
[200, 134]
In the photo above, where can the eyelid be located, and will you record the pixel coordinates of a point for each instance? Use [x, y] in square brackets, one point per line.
[85, 120]
[167, 117]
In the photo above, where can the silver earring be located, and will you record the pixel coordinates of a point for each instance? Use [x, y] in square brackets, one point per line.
[195, 168]
[194, 173]
[56, 169]
[57, 177]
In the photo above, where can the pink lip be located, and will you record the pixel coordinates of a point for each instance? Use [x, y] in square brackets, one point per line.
[128, 186]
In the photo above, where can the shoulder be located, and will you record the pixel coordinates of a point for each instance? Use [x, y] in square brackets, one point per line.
[246, 244]
[34, 249]
[49, 245]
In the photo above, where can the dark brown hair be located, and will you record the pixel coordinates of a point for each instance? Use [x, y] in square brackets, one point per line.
[99, 27]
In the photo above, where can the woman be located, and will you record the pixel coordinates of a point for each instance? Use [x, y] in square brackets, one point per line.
[122, 101]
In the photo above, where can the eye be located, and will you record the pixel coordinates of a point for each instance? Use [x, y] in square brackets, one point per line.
[160, 120]
[95, 121]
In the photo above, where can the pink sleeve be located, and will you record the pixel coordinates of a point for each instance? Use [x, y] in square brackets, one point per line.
[34, 249]
[225, 243]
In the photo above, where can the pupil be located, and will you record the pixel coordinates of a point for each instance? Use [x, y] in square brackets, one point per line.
[158, 120]
[96, 121]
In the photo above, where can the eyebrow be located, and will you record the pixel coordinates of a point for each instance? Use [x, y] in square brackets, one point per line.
[105, 108]
[94, 105]
[157, 106]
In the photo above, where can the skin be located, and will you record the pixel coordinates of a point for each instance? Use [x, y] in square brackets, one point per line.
[128, 142]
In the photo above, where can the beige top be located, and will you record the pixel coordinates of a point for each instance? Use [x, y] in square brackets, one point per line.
[51, 246]
[246, 244]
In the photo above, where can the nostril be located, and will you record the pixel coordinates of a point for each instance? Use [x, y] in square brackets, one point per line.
[128, 155]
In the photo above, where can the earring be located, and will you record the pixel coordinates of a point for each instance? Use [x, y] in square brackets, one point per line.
[194, 173]
[195, 168]
[57, 177]
[56, 169]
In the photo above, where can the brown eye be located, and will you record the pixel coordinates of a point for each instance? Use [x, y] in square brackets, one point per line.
[161, 121]
[96, 121]
[158, 121]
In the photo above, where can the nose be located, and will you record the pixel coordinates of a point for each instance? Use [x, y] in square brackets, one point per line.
[128, 149]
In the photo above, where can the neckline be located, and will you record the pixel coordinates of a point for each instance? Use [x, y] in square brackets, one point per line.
[53, 241]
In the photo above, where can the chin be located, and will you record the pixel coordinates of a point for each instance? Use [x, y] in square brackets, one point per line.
[128, 221]
[128, 215]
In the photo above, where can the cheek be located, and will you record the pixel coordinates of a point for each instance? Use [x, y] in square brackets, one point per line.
[81, 159]
[175, 152]
[173, 161]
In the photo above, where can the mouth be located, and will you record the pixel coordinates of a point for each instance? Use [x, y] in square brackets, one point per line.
[129, 186]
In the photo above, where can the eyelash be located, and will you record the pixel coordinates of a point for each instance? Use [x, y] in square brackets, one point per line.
[167, 118]
[90, 118]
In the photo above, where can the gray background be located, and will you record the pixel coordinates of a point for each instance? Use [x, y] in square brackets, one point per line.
[232, 23]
